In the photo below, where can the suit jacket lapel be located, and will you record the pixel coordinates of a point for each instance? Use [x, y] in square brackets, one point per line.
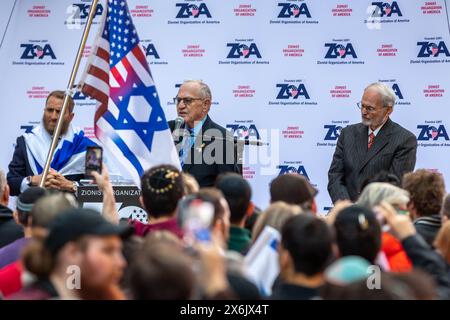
[380, 141]
[361, 143]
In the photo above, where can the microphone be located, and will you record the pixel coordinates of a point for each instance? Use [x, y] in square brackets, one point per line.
[236, 140]
[251, 142]
[176, 134]
[178, 123]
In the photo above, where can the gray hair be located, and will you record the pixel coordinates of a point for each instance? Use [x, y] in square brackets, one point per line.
[388, 96]
[2, 182]
[204, 88]
[376, 192]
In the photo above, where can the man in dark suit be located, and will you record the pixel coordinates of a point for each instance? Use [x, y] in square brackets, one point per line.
[375, 144]
[205, 148]
[24, 172]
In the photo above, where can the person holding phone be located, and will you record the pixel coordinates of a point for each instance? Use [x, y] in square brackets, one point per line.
[30, 154]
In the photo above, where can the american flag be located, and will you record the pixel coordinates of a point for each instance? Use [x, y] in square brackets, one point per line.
[129, 120]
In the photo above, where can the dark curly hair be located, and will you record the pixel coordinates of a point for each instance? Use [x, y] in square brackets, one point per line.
[427, 190]
[162, 187]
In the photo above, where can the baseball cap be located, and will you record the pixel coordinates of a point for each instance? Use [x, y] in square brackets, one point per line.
[28, 198]
[75, 223]
[346, 270]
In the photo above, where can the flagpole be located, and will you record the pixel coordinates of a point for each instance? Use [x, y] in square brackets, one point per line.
[68, 91]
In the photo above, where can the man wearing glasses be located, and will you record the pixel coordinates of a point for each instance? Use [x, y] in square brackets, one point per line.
[375, 144]
[205, 148]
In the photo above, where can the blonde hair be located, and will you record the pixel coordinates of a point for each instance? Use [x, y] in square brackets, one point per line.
[274, 216]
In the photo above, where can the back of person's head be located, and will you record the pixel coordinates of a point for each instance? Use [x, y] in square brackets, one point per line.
[293, 188]
[161, 271]
[382, 176]
[25, 202]
[445, 211]
[442, 241]
[237, 192]
[72, 228]
[162, 187]
[376, 192]
[48, 207]
[358, 233]
[308, 240]
[275, 216]
[190, 184]
[426, 189]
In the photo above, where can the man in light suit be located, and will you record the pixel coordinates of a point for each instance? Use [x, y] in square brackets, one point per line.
[206, 149]
[375, 144]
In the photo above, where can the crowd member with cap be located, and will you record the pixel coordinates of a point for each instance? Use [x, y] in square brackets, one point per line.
[294, 188]
[161, 189]
[13, 277]
[24, 206]
[238, 193]
[9, 229]
[83, 238]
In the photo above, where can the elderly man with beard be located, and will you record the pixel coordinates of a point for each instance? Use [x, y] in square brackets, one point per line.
[30, 154]
[375, 144]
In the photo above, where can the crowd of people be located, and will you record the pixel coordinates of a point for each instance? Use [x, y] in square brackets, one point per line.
[392, 243]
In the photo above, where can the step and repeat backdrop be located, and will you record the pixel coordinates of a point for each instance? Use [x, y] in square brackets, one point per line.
[286, 72]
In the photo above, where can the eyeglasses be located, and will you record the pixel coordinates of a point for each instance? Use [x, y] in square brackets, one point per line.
[368, 108]
[186, 101]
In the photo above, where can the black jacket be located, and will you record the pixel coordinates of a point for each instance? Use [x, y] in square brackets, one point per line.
[424, 257]
[9, 229]
[428, 227]
[224, 153]
[287, 291]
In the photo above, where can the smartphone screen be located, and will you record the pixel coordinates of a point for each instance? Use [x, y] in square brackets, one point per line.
[94, 160]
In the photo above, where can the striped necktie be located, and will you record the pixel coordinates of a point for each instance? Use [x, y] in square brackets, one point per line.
[185, 145]
[371, 137]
